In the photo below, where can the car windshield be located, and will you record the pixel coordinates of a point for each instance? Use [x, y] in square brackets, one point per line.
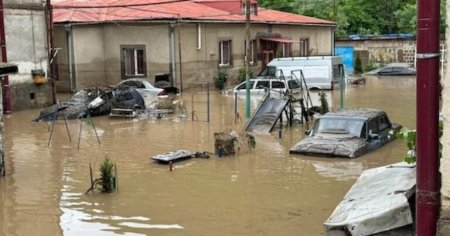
[341, 125]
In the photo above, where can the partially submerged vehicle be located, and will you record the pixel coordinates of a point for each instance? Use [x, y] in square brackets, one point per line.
[132, 96]
[347, 133]
[381, 202]
[93, 102]
[397, 70]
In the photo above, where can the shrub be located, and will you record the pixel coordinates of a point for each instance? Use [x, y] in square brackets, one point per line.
[106, 173]
[242, 75]
[221, 79]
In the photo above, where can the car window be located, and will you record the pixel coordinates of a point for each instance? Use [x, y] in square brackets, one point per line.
[277, 84]
[373, 126]
[293, 84]
[268, 71]
[364, 131]
[136, 84]
[262, 84]
[340, 125]
[383, 123]
[243, 85]
[387, 70]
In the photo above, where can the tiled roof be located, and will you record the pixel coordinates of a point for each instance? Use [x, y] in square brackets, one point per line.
[98, 11]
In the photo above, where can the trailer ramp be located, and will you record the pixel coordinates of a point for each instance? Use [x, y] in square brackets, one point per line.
[266, 115]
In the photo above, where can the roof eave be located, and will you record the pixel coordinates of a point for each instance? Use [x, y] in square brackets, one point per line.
[184, 20]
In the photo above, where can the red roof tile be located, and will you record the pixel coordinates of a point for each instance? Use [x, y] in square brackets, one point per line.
[132, 10]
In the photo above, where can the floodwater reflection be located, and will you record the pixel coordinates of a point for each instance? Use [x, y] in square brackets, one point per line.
[264, 192]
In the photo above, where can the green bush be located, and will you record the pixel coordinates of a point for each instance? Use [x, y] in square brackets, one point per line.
[106, 173]
[242, 75]
[221, 79]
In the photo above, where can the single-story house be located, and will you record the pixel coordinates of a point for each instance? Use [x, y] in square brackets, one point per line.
[102, 42]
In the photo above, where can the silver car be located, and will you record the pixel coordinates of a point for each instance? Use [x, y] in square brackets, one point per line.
[347, 133]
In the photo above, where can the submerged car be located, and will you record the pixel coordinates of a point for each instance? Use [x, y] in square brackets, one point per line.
[260, 86]
[132, 95]
[347, 133]
[397, 70]
[93, 102]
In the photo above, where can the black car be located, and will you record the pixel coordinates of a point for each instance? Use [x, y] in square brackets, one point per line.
[396, 70]
[347, 133]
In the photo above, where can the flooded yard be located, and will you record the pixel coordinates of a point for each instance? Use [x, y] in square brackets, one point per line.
[265, 192]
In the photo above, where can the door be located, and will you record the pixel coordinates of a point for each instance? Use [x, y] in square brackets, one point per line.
[267, 56]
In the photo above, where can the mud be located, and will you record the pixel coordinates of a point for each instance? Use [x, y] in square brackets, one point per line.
[264, 192]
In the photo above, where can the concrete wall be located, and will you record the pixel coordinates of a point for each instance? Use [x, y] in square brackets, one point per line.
[26, 43]
[96, 49]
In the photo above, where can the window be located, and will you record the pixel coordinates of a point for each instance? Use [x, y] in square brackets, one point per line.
[243, 85]
[383, 123]
[373, 126]
[253, 52]
[225, 53]
[293, 84]
[262, 84]
[133, 61]
[304, 47]
[277, 84]
[286, 50]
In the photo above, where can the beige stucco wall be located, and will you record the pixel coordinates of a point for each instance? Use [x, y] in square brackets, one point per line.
[97, 49]
[89, 55]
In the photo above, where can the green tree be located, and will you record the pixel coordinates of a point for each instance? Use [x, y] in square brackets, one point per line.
[359, 16]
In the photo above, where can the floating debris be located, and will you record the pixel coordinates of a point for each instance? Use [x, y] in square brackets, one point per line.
[230, 143]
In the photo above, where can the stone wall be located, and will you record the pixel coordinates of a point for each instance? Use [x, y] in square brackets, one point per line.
[379, 52]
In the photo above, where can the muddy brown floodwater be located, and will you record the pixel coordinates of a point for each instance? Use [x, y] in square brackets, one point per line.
[265, 192]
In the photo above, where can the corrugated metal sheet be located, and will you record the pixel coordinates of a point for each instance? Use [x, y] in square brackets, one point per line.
[135, 10]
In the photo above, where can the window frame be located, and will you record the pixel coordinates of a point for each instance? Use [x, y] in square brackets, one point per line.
[229, 51]
[304, 47]
[135, 73]
[253, 51]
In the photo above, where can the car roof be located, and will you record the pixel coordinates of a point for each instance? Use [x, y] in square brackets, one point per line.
[364, 113]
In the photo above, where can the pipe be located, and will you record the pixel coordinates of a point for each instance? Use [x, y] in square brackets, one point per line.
[172, 49]
[179, 55]
[427, 189]
[51, 62]
[70, 56]
[6, 89]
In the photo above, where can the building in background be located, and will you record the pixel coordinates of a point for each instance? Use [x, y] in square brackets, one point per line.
[26, 46]
[103, 42]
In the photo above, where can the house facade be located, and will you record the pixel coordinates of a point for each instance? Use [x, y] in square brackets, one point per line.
[187, 41]
[27, 47]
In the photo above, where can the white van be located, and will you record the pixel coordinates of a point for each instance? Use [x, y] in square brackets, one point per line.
[320, 72]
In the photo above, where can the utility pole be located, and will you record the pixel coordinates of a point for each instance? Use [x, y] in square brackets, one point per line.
[247, 60]
[427, 188]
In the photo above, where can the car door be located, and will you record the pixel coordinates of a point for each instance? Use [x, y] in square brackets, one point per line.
[261, 87]
[373, 134]
[384, 126]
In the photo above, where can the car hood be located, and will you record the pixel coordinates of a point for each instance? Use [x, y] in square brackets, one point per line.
[331, 146]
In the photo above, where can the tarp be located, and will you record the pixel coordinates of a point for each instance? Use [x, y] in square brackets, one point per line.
[377, 202]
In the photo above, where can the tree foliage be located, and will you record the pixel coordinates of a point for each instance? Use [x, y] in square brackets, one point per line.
[358, 16]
